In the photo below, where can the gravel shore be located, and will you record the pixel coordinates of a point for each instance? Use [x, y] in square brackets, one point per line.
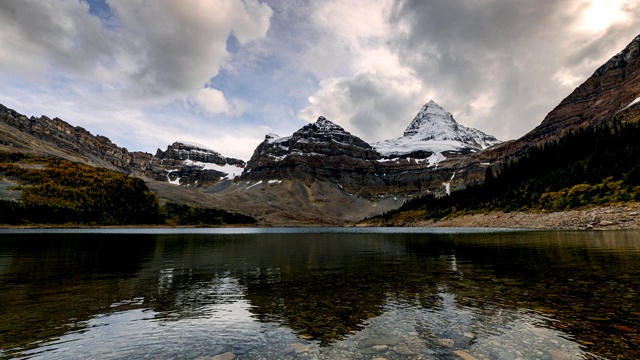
[613, 217]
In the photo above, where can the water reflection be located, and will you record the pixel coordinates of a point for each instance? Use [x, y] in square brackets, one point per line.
[356, 295]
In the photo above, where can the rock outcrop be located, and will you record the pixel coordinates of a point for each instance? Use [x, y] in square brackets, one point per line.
[59, 138]
[320, 151]
[187, 163]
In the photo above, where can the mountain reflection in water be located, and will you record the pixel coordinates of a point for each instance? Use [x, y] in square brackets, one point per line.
[348, 293]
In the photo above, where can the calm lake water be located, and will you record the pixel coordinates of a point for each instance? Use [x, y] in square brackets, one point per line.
[319, 294]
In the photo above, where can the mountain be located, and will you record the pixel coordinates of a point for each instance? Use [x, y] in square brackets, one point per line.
[433, 132]
[594, 165]
[324, 151]
[318, 151]
[609, 95]
[182, 163]
[321, 174]
[188, 163]
[55, 137]
[324, 174]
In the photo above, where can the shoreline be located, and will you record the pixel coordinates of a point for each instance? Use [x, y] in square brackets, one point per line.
[619, 216]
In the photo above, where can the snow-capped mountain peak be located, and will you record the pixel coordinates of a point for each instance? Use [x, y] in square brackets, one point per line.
[434, 130]
[430, 117]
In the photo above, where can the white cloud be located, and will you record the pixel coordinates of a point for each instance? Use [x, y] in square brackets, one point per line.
[36, 36]
[214, 102]
[380, 94]
[598, 15]
[172, 48]
[158, 51]
[367, 105]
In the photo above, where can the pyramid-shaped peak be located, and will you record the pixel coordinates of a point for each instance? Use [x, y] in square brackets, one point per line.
[322, 119]
[322, 124]
[434, 130]
[431, 118]
[433, 107]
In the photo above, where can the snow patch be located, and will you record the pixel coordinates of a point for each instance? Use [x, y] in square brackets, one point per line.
[256, 184]
[232, 171]
[275, 139]
[435, 158]
[174, 182]
[278, 158]
[637, 100]
[447, 185]
[404, 145]
[195, 145]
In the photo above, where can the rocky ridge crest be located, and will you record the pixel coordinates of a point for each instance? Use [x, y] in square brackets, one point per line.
[59, 138]
[320, 151]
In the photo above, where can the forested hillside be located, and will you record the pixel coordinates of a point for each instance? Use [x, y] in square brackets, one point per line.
[55, 191]
[590, 166]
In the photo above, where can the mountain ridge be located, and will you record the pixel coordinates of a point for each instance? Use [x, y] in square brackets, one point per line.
[606, 96]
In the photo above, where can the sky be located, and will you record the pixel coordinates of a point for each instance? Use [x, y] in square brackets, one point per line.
[224, 73]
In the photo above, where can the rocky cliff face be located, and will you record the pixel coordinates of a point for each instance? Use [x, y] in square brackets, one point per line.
[59, 138]
[182, 150]
[186, 163]
[319, 151]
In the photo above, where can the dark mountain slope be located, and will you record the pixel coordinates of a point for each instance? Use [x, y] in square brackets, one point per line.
[606, 96]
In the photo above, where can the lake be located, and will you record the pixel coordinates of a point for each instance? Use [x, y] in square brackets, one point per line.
[319, 293]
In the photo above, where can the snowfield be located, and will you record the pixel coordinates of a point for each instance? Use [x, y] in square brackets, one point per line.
[232, 171]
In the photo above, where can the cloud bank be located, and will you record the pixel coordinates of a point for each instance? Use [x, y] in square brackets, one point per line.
[498, 65]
